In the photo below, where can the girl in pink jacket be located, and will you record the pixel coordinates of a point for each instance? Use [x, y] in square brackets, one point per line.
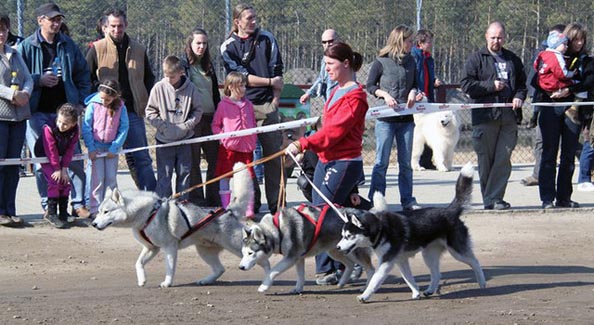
[104, 130]
[57, 143]
[234, 113]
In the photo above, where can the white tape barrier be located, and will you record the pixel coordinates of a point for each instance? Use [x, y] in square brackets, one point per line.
[372, 113]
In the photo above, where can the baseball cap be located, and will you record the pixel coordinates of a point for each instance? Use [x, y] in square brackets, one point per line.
[49, 10]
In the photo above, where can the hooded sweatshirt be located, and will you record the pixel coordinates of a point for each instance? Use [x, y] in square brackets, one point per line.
[100, 130]
[174, 111]
[341, 135]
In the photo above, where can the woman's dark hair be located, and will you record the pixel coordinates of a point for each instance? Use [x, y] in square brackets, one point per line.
[70, 111]
[112, 88]
[341, 51]
[205, 61]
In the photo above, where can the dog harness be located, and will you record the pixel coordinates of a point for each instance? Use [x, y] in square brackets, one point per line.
[203, 222]
[154, 211]
[317, 224]
[191, 229]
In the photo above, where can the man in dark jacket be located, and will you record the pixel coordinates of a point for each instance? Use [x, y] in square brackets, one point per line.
[254, 53]
[494, 75]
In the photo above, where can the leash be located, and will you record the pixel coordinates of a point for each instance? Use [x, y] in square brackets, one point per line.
[228, 174]
[318, 191]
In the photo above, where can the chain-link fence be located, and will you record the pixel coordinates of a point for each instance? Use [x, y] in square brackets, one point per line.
[459, 28]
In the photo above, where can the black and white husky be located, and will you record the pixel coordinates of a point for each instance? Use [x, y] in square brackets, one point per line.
[397, 237]
[169, 225]
[292, 234]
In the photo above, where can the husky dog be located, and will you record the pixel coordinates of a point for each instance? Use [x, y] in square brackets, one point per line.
[168, 224]
[396, 238]
[440, 131]
[293, 238]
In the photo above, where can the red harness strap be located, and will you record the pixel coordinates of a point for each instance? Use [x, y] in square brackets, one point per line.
[142, 232]
[204, 221]
[317, 224]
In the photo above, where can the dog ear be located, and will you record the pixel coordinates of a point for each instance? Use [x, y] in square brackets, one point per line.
[116, 196]
[258, 235]
[246, 232]
[356, 222]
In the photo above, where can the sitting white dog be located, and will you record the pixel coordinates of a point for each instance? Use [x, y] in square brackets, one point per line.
[440, 131]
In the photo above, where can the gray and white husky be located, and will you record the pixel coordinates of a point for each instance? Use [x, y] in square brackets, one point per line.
[396, 237]
[167, 224]
[293, 238]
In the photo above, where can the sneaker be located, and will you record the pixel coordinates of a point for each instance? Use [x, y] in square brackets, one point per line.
[585, 187]
[547, 205]
[501, 205]
[82, 212]
[16, 220]
[529, 181]
[567, 204]
[412, 207]
[327, 279]
[55, 221]
[5, 220]
[357, 272]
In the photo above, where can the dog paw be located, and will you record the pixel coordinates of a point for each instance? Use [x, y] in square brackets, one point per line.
[419, 168]
[296, 291]
[416, 295]
[362, 299]
[443, 168]
[263, 288]
[165, 284]
[141, 283]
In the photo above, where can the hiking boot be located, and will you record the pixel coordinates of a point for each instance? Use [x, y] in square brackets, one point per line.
[55, 221]
[52, 214]
[327, 279]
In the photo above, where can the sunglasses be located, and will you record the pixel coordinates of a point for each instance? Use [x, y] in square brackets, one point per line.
[328, 41]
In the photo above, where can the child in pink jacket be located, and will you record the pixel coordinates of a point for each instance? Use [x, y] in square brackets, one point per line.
[57, 143]
[234, 113]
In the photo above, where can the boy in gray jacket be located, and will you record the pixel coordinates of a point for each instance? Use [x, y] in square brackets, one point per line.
[173, 109]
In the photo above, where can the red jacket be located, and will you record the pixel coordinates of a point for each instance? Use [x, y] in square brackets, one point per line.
[552, 71]
[341, 135]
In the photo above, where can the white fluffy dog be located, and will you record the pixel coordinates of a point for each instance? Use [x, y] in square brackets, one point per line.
[440, 131]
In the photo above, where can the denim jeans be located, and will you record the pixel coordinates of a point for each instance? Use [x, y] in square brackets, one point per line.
[385, 134]
[76, 169]
[13, 136]
[556, 128]
[173, 160]
[143, 164]
[586, 157]
[336, 180]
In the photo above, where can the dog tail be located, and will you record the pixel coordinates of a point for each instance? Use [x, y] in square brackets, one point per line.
[243, 190]
[379, 202]
[463, 197]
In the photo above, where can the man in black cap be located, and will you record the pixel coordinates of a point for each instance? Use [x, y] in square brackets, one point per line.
[60, 74]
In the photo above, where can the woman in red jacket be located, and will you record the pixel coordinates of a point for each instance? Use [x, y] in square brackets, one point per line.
[339, 143]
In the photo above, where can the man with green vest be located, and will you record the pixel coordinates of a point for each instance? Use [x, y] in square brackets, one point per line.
[118, 57]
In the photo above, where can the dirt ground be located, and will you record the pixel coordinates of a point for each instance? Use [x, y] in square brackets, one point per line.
[539, 269]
